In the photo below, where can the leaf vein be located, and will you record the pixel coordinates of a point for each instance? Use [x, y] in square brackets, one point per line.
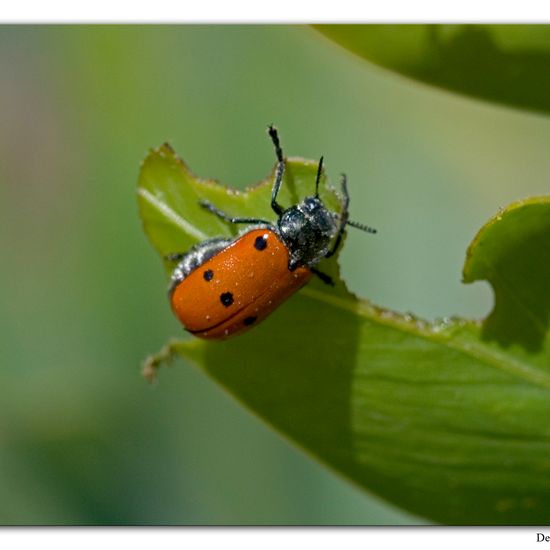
[171, 215]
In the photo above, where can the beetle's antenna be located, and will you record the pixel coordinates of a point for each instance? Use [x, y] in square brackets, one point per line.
[362, 227]
[318, 178]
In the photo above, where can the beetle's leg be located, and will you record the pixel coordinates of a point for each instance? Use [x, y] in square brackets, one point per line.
[279, 172]
[327, 279]
[226, 217]
[174, 256]
[343, 218]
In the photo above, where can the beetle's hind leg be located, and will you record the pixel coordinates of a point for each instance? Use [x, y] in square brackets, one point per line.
[174, 256]
[327, 279]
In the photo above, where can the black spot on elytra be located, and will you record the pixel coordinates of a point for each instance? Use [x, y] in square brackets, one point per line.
[260, 243]
[208, 274]
[249, 320]
[226, 299]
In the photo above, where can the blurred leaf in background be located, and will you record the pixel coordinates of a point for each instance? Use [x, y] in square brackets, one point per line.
[82, 438]
[507, 64]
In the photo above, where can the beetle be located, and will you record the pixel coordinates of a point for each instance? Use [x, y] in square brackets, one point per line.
[223, 286]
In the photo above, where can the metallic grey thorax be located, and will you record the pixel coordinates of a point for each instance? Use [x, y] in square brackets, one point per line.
[307, 230]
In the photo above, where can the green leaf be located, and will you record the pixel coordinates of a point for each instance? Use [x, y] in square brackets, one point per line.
[445, 419]
[512, 252]
[506, 64]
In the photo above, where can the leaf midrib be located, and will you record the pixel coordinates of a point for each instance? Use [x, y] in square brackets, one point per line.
[171, 214]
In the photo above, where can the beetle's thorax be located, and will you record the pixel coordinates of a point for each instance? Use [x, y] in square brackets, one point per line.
[307, 230]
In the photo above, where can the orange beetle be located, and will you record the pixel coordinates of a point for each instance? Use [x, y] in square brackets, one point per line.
[222, 286]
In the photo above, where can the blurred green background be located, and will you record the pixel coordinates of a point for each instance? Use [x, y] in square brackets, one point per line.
[83, 438]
